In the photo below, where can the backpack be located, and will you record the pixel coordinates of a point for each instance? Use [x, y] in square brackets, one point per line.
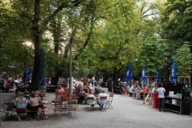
[10, 105]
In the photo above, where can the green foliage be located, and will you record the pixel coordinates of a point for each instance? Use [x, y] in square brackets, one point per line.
[107, 34]
[183, 59]
[177, 21]
[151, 56]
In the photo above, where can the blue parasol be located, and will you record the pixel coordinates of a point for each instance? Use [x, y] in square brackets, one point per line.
[174, 73]
[129, 74]
[143, 78]
[157, 74]
[42, 79]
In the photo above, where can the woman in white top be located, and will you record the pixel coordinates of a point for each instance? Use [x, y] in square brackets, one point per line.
[91, 100]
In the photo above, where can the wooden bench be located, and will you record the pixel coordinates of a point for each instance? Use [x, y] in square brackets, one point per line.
[13, 110]
[41, 112]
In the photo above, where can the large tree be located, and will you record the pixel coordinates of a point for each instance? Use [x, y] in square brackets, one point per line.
[34, 13]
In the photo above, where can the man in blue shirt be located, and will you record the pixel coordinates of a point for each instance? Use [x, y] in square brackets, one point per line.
[2, 82]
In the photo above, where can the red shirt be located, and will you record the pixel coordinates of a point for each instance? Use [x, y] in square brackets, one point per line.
[145, 89]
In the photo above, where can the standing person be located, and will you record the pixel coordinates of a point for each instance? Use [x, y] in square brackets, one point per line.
[89, 81]
[2, 83]
[93, 80]
[161, 97]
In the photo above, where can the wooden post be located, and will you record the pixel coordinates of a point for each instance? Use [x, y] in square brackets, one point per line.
[150, 87]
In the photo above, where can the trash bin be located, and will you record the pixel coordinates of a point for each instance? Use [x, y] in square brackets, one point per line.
[155, 100]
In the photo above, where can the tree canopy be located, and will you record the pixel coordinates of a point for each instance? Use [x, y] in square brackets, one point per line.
[107, 35]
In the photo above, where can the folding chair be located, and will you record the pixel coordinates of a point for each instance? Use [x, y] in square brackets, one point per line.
[65, 97]
[91, 101]
[75, 97]
[103, 100]
[58, 105]
[134, 95]
[72, 106]
[109, 102]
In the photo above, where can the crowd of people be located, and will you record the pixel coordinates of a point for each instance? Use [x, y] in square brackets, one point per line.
[83, 92]
[6, 82]
[134, 89]
[27, 101]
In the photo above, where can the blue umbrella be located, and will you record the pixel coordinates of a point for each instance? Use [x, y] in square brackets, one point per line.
[157, 74]
[42, 80]
[143, 78]
[174, 72]
[128, 74]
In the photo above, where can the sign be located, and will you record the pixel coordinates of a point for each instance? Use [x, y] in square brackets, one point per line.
[188, 88]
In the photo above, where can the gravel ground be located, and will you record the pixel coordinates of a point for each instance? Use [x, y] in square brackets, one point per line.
[126, 112]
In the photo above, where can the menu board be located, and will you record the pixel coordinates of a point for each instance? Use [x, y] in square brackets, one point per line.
[188, 88]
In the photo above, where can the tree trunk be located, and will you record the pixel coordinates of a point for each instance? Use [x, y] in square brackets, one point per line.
[37, 36]
[54, 80]
[115, 79]
[37, 40]
[166, 74]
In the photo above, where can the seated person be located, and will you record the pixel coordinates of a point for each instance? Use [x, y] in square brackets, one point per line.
[77, 89]
[37, 92]
[8, 86]
[145, 89]
[21, 104]
[138, 92]
[91, 102]
[135, 90]
[128, 89]
[26, 88]
[34, 104]
[131, 90]
[97, 90]
[81, 89]
[19, 89]
[144, 92]
[58, 92]
[81, 95]
[101, 102]
[62, 89]
[86, 89]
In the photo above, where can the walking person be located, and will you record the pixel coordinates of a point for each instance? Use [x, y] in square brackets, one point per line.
[161, 97]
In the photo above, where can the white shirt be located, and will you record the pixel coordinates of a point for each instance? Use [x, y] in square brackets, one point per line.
[161, 92]
[103, 101]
